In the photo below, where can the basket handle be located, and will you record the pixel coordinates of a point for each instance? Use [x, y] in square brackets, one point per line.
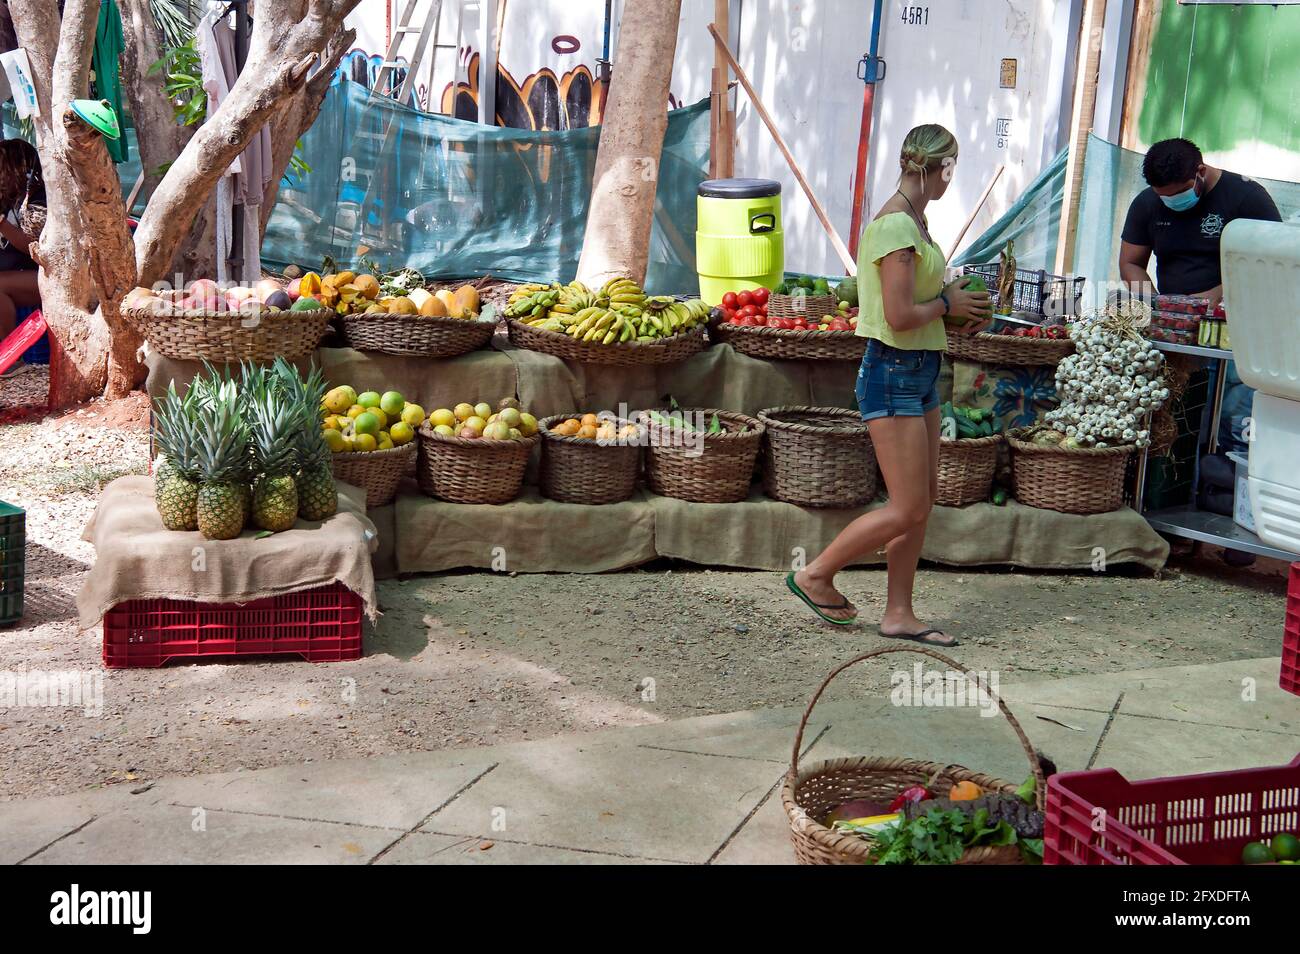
[1040, 787]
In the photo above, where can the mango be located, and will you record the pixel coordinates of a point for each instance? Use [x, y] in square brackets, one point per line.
[433, 308]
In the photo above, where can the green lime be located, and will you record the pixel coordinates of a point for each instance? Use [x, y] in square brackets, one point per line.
[1256, 853]
[1286, 847]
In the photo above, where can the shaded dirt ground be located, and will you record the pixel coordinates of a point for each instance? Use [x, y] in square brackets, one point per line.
[466, 659]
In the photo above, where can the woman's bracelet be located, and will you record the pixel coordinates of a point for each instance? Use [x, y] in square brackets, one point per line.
[946, 306]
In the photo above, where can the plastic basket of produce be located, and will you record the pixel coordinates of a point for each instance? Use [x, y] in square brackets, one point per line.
[589, 460]
[854, 811]
[1036, 291]
[1101, 818]
[1290, 675]
[818, 457]
[13, 556]
[322, 624]
[701, 454]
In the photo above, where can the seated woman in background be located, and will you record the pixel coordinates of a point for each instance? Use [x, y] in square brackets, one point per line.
[22, 190]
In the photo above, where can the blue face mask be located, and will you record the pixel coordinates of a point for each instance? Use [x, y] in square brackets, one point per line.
[1183, 200]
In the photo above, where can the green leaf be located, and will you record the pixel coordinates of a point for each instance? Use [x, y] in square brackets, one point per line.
[263, 533]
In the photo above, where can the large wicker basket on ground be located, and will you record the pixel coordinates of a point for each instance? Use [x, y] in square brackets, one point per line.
[585, 471]
[417, 335]
[472, 470]
[966, 469]
[711, 468]
[378, 471]
[810, 794]
[788, 344]
[818, 457]
[1008, 350]
[1080, 480]
[228, 336]
[675, 348]
[809, 306]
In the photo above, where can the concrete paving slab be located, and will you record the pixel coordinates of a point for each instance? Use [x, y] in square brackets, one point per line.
[163, 834]
[1141, 747]
[393, 791]
[1242, 694]
[426, 848]
[27, 827]
[626, 800]
[764, 840]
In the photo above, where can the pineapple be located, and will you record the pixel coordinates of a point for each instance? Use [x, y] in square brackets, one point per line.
[176, 483]
[317, 498]
[276, 421]
[219, 459]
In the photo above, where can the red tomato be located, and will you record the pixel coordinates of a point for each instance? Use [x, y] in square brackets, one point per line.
[744, 298]
[748, 310]
[760, 296]
[727, 313]
[729, 300]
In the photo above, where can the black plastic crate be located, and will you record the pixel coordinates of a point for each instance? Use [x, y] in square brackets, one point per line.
[1036, 292]
[13, 543]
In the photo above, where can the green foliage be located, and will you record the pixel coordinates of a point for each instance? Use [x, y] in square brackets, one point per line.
[939, 838]
[183, 82]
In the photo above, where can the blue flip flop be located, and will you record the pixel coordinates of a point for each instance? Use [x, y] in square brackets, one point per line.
[818, 607]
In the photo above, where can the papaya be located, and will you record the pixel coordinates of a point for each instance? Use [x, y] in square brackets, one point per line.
[467, 299]
[433, 307]
[449, 301]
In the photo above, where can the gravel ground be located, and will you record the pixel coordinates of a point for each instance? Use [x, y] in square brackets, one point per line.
[475, 658]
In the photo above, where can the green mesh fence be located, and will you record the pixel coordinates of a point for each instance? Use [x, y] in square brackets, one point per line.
[454, 198]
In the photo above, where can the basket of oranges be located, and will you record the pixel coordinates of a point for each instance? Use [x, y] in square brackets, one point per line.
[372, 436]
[589, 458]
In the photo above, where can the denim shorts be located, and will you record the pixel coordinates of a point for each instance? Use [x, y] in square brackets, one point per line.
[897, 382]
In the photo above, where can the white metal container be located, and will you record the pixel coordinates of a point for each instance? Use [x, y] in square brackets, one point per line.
[1275, 471]
[1261, 285]
[1242, 514]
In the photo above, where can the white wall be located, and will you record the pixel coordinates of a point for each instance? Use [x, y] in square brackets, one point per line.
[802, 56]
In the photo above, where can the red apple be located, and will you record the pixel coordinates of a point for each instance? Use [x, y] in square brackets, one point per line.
[292, 289]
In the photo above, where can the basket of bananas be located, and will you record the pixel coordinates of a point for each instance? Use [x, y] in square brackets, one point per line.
[616, 324]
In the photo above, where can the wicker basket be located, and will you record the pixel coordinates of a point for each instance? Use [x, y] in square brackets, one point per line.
[378, 471]
[472, 470]
[229, 336]
[808, 306]
[577, 470]
[1082, 480]
[818, 457]
[416, 335]
[809, 795]
[719, 473]
[966, 469]
[678, 347]
[1008, 350]
[787, 344]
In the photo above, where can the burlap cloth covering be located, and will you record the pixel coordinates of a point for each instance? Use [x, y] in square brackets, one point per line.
[137, 558]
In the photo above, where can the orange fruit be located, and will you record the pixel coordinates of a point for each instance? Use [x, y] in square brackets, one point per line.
[590, 419]
[965, 792]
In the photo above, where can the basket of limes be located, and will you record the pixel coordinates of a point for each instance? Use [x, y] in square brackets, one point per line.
[372, 436]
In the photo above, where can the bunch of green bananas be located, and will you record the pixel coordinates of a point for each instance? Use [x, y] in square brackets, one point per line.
[532, 301]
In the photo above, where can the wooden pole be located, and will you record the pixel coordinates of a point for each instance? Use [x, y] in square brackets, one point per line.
[1082, 117]
[976, 211]
[726, 165]
[836, 242]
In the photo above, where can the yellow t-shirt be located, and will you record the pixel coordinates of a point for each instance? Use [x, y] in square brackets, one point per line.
[888, 234]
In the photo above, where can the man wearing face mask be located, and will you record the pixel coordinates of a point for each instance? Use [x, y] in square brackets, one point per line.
[1181, 218]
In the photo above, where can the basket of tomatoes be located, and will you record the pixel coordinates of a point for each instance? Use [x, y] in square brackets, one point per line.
[746, 321]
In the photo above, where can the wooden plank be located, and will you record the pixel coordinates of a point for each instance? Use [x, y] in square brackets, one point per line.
[1081, 122]
[1139, 59]
[726, 141]
[836, 242]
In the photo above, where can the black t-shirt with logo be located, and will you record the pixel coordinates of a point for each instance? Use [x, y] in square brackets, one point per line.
[1186, 244]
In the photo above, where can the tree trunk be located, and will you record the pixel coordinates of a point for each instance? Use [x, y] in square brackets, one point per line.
[298, 116]
[159, 139]
[617, 239]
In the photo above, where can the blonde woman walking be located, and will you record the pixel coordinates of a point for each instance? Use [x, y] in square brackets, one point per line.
[903, 305]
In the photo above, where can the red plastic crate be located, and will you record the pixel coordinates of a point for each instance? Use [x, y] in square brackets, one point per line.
[1289, 679]
[1180, 820]
[322, 624]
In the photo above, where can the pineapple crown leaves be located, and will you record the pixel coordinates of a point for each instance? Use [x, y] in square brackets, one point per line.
[222, 435]
[306, 395]
[174, 432]
[275, 421]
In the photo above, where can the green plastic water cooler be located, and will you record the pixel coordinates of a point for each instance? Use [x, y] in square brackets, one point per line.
[738, 240]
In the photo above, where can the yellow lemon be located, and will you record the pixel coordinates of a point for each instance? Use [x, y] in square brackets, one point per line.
[385, 442]
[402, 433]
[483, 410]
[511, 416]
[334, 439]
[355, 411]
[364, 442]
[443, 416]
[527, 424]
[383, 418]
[413, 414]
[464, 411]
[475, 423]
[445, 430]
